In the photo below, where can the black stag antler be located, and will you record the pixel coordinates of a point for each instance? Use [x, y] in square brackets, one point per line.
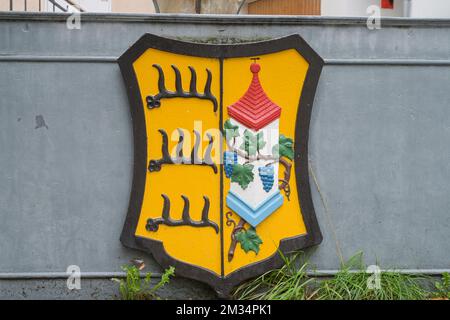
[155, 101]
[153, 223]
[155, 165]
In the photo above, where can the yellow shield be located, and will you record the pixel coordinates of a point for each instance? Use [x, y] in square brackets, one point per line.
[213, 194]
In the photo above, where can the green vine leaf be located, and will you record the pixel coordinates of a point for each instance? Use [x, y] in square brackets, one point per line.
[242, 174]
[249, 240]
[285, 148]
[231, 131]
[252, 143]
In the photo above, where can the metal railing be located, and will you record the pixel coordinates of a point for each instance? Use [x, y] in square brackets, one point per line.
[54, 4]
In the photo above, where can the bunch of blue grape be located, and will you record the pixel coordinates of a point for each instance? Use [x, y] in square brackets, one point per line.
[267, 177]
[229, 159]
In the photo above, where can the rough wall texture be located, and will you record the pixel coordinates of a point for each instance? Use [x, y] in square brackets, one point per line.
[379, 146]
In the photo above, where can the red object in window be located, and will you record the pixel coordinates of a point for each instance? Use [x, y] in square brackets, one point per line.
[387, 4]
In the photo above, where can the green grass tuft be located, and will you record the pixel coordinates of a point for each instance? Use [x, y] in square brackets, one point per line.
[133, 287]
[443, 287]
[291, 282]
[352, 283]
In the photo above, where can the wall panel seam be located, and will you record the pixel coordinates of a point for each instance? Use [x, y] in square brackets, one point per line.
[272, 20]
[105, 275]
[337, 62]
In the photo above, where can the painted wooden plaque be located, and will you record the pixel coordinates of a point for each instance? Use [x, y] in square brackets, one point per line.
[221, 182]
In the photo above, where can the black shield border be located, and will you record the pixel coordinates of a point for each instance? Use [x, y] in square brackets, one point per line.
[222, 284]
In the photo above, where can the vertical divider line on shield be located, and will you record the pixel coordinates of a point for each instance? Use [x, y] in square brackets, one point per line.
[222, 252]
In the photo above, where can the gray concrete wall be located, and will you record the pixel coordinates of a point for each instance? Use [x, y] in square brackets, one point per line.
[379, 148]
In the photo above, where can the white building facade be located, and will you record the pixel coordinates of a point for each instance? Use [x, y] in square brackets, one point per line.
[401, 8]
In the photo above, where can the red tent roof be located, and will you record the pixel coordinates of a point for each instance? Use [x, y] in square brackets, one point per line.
[254, 110]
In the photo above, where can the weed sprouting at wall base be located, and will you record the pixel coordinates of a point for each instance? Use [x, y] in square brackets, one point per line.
[134, 287]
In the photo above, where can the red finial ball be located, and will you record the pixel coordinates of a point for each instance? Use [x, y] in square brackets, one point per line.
[254, 68]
